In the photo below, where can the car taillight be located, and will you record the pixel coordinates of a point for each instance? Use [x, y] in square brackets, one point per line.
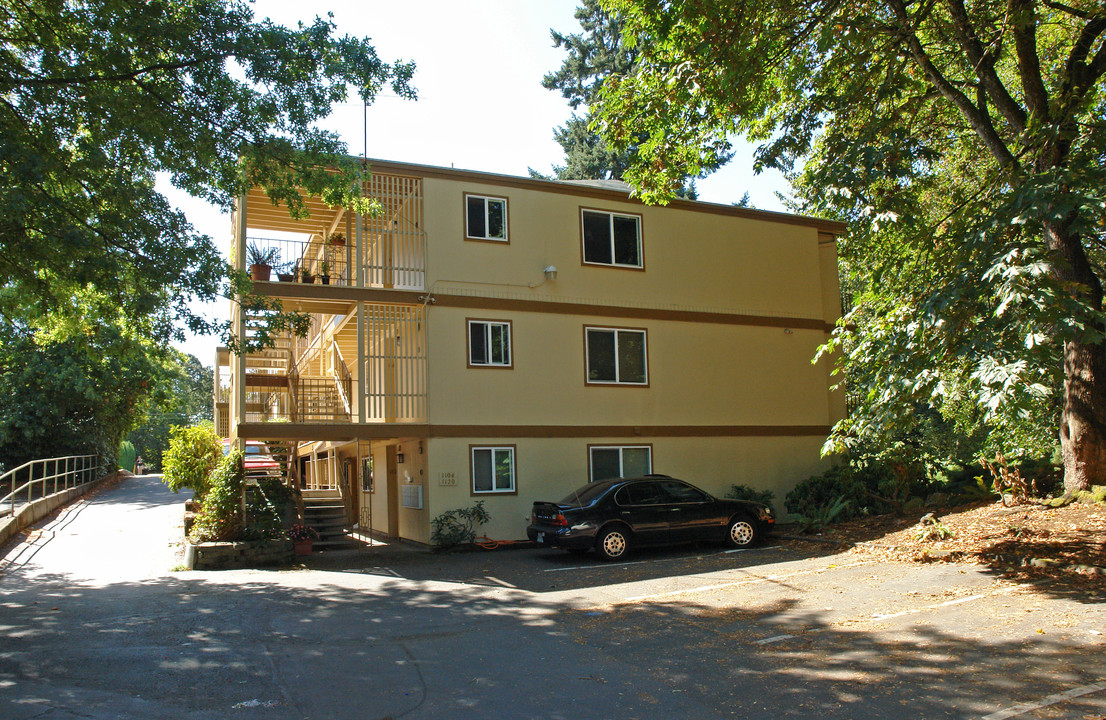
[560, 520]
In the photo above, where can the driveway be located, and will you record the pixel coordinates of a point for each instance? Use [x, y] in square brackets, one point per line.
[95, 624]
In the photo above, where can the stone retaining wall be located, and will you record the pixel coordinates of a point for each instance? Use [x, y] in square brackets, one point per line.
[237, 555]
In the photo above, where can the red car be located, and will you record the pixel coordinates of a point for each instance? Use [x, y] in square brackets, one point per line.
[259, 463]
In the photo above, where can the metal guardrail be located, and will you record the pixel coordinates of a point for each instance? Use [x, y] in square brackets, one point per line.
[46, 477]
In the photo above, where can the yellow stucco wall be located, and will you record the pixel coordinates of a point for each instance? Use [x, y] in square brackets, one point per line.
[691, 259]
[550, 468]
[699, 374]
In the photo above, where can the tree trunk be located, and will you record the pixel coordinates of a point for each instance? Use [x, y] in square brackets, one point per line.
[1083, 420]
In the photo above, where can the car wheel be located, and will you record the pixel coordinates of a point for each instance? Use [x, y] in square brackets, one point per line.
[612, 544]
[742, 532]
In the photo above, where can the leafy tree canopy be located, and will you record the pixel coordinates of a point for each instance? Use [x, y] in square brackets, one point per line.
[75, 385]
[96, 96]
[964, 144]
[595, 54]
[182, 396]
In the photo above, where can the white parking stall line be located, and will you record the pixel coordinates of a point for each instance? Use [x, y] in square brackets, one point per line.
[746, 581]
[947, 603]
[658, 560]
[594, 567]
[1023, 708]
[774, 639]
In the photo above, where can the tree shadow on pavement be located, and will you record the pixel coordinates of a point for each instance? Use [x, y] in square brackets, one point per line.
[338, 645]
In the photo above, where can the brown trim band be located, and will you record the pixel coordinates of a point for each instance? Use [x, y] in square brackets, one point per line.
[347, 293]
[296, 291]
[472, 302]
[332, 432]
[429, 171]
[381, 431]
[629, 431]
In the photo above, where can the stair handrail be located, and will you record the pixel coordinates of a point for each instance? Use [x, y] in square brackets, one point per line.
[342, 377]
[293, 391]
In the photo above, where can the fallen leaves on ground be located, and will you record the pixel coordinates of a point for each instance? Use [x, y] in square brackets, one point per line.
[1029, 538]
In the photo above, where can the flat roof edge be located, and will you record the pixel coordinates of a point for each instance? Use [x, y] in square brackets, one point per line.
[834, 227]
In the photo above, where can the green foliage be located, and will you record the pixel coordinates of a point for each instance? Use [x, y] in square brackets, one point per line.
[931, 529]
[842, 488]
[101, 96]
[965, 151]
[258, 255]
[127, 455]
[183, 396]
[72, 385]
[458, 527]
[595, 54]
[744, 492]
[220, 517]
[268, 506]
[820, 516]
[194, 452]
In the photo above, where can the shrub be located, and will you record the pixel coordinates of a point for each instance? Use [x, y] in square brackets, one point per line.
[127, 455]
[822, 516]
[744, 492]
[458, 527]
[194, 452]
[220, 517]
[838, 490]
[268, 506]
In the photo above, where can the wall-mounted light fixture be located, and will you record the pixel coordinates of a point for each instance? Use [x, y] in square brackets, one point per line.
[550, 272]
[399, 458]
[420, 447]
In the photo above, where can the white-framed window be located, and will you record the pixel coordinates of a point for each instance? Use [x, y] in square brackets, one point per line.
[493, 469]
[485, 218]
[614, 461]
[489, 343]
[616, 356]
[611, 238]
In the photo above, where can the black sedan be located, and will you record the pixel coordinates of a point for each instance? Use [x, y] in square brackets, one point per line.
[613, 515]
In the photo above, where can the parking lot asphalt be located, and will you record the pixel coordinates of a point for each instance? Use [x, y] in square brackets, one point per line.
[94, 623]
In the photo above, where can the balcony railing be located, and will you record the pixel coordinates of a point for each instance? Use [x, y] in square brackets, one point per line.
[304, 261]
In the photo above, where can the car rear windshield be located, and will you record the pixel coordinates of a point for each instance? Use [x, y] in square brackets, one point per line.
[250, 449]
[586, 495]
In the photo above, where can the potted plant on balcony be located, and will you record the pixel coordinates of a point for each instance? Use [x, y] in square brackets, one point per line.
[337, 239]
[303, 536]
[286, 272]
[324, 272]
[306, 276]
[261, 261]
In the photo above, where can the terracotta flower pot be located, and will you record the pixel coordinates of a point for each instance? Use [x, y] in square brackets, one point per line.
[301, 547]
[260, 272]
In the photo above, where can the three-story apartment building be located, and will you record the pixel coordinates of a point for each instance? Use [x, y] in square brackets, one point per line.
[506, 339]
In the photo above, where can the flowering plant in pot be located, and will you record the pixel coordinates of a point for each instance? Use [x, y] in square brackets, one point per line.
[302, 533]
[302, 538]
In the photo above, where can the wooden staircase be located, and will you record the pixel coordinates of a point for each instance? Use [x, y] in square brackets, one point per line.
[324, 511]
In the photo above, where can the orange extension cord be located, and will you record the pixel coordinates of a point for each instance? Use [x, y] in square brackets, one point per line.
[488, 544]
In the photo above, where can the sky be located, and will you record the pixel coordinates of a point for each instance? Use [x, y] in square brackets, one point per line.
[481, 105]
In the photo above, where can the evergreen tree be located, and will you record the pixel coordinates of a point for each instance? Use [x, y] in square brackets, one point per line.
[598, 52]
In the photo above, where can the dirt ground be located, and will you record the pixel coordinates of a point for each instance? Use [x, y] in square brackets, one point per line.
[1067, 544]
